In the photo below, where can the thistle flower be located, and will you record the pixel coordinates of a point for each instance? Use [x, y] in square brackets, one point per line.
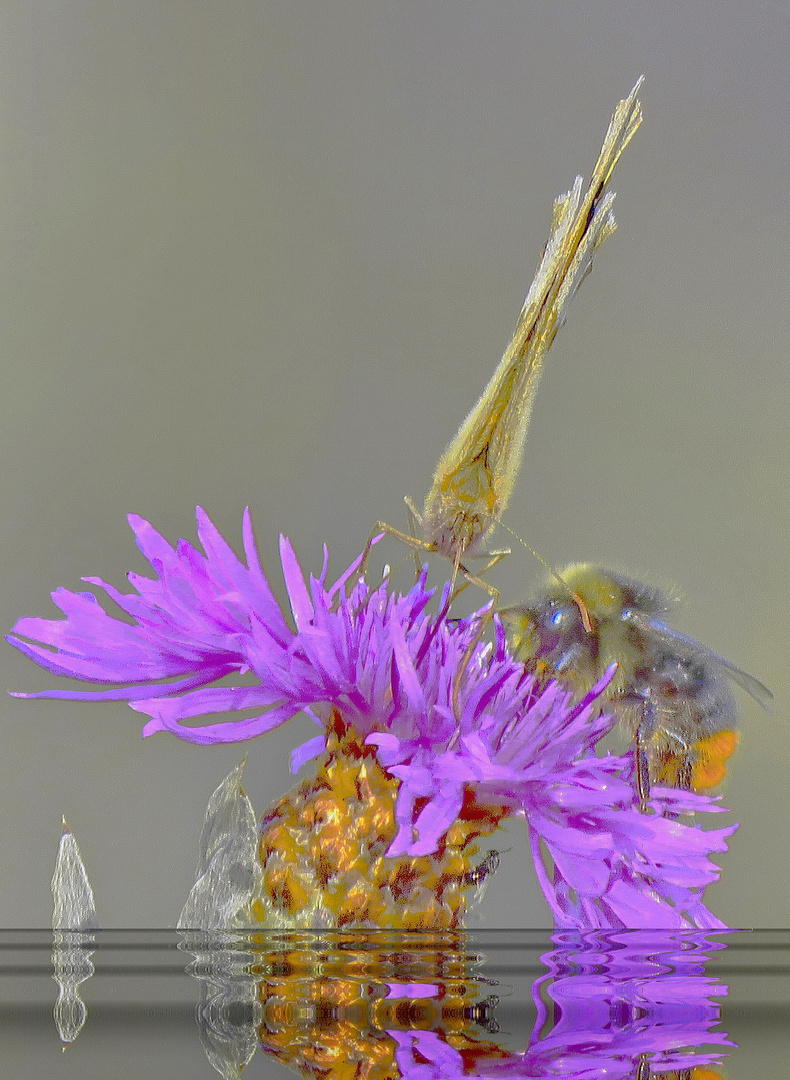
[429, 738]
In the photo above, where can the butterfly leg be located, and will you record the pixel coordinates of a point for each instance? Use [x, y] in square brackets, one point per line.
[414, 517]
[486, 618]
[493, 557]
[410, 540]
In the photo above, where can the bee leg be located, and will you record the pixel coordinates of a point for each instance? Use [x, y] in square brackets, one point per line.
[683, 761]
[644, 733]
[642, 776]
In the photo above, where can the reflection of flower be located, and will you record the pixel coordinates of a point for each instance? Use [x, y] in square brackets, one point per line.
[592, 1055]
[626, 1006]
[619, 1005]
[329, 1009]
[424, 729]
[627, 995]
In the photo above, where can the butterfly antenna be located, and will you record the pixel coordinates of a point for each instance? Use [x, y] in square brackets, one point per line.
[584, 612]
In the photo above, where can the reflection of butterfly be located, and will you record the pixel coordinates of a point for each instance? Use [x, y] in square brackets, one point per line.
[670, 692]
[475, 475]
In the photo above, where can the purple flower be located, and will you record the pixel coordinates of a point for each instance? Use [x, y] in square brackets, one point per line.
[453, 719]
[600, 861]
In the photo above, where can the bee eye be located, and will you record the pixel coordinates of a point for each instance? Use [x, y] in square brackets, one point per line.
[562, 617]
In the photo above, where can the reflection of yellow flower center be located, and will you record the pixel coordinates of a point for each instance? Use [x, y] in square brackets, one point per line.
[328, 1012]
[322, 850]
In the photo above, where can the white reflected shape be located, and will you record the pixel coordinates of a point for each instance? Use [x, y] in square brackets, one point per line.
[228, 868]
[229, 1013]
[74, 906]
[73, 917]
[72, 965]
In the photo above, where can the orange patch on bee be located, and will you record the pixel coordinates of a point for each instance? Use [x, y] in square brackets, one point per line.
[713, 753]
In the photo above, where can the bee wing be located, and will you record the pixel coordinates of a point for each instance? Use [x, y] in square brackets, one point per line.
[759, 691]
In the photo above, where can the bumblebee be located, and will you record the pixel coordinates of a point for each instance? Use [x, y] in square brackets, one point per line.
[670, 693]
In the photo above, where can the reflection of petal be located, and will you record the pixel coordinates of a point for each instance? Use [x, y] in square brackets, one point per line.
[612, 1007]
[228, 1014]
[74, 912]
[422, 1055]
[626, 998]
[228, 869]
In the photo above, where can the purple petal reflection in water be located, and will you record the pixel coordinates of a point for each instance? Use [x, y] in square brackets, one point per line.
[612, 1006]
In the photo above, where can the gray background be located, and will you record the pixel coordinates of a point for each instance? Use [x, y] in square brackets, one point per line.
[269, 253]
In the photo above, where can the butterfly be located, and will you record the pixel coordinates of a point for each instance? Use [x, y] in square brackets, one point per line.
[475, 475]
